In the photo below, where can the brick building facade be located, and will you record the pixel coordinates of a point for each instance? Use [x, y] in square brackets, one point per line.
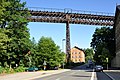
[77, 55]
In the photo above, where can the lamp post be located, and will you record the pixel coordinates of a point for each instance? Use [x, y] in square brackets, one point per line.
[63, 50]
[63, 44]
[107, 63]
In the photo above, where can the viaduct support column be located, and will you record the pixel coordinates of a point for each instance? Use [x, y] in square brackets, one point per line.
[67, 40]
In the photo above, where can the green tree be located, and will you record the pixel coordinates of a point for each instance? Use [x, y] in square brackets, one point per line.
[103, 43]
[14, 20]
[49, 52]
[3, 46]
[89, 53]
[3, 5]
[33, 53]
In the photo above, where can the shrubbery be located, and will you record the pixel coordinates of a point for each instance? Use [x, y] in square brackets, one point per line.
[19, 69]
[8, 70]
[1, 70]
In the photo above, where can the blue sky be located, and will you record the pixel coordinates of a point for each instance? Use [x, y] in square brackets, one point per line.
[81, 35]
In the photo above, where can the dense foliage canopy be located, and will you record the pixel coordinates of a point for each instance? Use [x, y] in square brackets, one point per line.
[103, 43]
[89, 53]
[15, 35]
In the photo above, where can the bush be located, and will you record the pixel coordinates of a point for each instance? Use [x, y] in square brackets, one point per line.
[19, 69]
[6, 70]
[10, 70]
[1, 70]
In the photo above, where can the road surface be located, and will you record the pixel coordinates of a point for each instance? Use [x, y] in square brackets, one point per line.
[79, 73]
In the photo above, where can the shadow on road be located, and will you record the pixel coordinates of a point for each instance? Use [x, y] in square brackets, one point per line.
[80, 76]
[82, 67]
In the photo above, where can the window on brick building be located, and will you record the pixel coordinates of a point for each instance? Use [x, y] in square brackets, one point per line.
[76, 60]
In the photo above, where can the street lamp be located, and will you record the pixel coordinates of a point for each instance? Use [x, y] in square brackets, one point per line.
[107, 63]
[63, 44]
[63, 50]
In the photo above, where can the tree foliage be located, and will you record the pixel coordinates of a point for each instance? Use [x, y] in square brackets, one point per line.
[13, 24]
[3, 46]
[89, 53]
[49, 52]
[103, 43]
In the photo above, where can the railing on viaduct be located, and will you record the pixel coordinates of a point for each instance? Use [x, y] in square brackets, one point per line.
[74, 16]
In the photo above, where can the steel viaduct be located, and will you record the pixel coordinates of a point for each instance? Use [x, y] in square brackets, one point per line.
[69, 16]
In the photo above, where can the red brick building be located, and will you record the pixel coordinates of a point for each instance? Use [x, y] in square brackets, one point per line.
[77, 55]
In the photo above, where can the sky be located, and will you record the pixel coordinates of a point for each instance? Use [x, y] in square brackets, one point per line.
[80, 35]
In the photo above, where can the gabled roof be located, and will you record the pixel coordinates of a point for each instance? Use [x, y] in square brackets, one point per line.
[78, 48]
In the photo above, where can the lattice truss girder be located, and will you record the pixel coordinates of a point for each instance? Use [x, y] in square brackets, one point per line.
[75, 18]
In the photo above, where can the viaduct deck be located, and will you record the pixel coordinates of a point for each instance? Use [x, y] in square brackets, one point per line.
[73, 18]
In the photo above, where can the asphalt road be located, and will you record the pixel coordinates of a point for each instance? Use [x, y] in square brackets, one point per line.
[79, 73]
[102, 76]
[69, 75]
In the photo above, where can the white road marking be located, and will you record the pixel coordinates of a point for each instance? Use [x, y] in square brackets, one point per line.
[109, 76]
[92, 77]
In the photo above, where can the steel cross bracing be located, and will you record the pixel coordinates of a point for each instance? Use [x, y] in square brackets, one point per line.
[70, 16]
[80, 17]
